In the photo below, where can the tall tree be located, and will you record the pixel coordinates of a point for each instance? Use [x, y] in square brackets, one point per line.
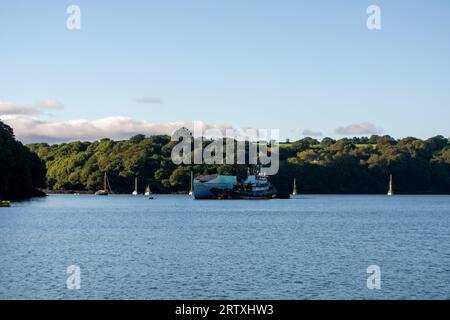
[21, 171]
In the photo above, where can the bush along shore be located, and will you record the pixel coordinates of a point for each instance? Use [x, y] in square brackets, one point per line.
[359, 165]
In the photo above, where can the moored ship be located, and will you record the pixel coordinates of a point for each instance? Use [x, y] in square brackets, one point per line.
[255, 187]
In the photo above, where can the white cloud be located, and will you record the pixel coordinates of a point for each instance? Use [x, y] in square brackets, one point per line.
[310, 133]
[50, 104]
[30, 129]
[357, 129]
[9, 108]
[149, 100]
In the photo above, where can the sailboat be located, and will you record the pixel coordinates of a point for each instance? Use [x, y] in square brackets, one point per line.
[106, 187]
[191, 191]
[147, 191]
[391, 189]
[135, 192]
[294, 191]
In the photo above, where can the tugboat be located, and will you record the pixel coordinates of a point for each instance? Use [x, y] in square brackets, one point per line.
[255, 187]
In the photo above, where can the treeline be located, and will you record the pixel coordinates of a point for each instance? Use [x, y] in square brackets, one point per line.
[21, 171]
[358, 165]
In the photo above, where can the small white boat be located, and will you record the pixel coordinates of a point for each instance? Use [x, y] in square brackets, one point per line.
[147, 191]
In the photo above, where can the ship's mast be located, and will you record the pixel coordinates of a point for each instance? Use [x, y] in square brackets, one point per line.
[391, 188]
[294, 191]
[191, 191]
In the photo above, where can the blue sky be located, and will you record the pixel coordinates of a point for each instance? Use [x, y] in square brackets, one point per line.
[292, 65]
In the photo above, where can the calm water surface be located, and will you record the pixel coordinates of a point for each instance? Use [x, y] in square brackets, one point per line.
[313, 247]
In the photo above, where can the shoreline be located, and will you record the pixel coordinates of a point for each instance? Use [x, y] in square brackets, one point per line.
[71, 192]
[29, 194]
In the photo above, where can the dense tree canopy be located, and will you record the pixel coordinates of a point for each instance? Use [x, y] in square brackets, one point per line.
[356, 165]
[21, 171]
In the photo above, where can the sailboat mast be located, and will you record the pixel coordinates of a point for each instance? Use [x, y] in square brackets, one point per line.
[105, 187]
[191, 191]
[391, 188]
[294, 191]
[135, 184]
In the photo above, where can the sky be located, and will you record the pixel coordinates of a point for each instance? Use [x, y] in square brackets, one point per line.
[307, 68]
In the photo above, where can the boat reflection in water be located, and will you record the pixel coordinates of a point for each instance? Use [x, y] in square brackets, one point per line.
[255, 187]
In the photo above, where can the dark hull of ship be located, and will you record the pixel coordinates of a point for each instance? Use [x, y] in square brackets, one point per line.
[220, 188]
[218, 194]
[254, 195]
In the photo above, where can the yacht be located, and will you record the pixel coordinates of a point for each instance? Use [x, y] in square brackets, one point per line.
[147, 191]
[106, 187]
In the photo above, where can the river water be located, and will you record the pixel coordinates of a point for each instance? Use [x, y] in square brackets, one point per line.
[173, 247]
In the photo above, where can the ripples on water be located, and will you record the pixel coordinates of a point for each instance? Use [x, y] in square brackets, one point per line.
[314, 247]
